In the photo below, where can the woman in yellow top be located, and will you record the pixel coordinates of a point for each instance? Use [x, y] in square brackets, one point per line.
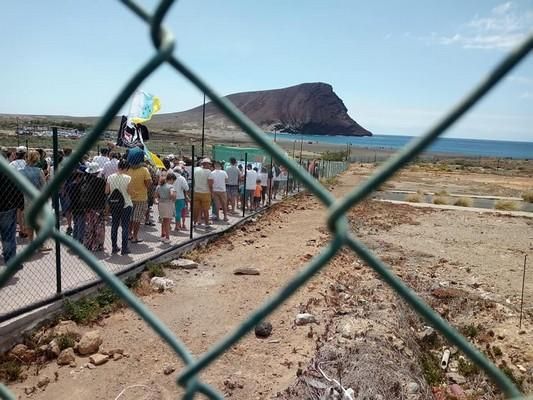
[141, 180]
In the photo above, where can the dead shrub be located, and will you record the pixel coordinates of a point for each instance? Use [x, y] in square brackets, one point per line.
[506, 205]
[528, 196]
[440, 200]
[413, 198]
[463, 202]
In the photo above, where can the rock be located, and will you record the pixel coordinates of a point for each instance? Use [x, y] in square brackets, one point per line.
[43, 381]
[183, 263]
[160, 283]
[66, 357]
[428, 335]
[457, 391]
[53, 349]
[29, 390]
[347, 329]
[21, 352]
[90, 343]
[246, 271]
[72, 364]
[98, 359]
[168, 369]
[521, 368]
[456, 378]
[117, 356]
[413, 388]
[90, 366]
[304, 319]
[67, 328]
[263, 329]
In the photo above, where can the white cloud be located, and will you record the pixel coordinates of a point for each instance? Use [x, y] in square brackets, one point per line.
[503, 28]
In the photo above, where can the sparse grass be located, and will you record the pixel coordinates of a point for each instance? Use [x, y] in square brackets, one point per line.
[413, 198]
[431, 369]
[66, 341]
[470, 331]
[506, 205]
[89, 309]
[528, 196]
[440, 200]
[497, 351]
[10, 370]
[155, 270]
[463, 202]
[467, 368]
[509, 372]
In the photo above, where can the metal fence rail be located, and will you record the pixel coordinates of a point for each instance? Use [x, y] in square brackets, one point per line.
[41, 215]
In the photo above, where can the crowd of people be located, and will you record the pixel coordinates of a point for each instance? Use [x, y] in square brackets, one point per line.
[124, 188]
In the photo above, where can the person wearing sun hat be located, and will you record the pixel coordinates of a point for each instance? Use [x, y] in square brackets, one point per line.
[94, 217]
[141, 181]
[203, 188]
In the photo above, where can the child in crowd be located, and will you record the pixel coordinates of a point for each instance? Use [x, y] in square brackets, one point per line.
[166, 196]
[257, 194]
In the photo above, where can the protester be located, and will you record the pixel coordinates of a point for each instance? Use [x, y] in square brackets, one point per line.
[120, 213]
[257, 195]
[36, 176]
[220, 178]
[95, 204]
[11, 200]
[77, 206]
[154, 175]
[251, 178]
[263, 177]
[20, 158]
[19, 163]
[166, 197]
[111, 166]
[202, 192]
[181, 188]
[232, 186]
[102, 158]
[141, 181]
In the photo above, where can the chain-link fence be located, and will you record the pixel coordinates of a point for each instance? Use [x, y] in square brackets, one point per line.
[85, 209]
[41, 216]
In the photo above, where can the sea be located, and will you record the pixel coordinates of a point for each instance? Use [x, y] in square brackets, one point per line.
[444, 146]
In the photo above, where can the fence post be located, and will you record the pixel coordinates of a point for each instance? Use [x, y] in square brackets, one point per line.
[191, 208]
[244, 186]
[271, 174]
[55, 203]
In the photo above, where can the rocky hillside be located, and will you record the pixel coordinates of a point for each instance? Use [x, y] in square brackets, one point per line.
[310, 108]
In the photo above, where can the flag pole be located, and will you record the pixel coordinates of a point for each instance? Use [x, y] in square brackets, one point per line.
[203, 127]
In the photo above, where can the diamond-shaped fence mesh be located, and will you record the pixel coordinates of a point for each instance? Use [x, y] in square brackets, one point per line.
[41, 215]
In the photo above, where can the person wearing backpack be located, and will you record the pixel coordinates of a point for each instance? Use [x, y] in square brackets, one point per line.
[120, 205]
[93, 189]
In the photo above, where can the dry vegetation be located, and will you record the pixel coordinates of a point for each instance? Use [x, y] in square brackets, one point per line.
[463, 202]
[506, 205]
[528, 196]
[440, 200]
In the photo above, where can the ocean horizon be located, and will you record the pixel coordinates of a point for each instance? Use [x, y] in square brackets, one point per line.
[444, 146]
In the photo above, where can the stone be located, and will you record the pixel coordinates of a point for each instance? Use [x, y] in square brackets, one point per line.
[246, 271]
[117, 356]
[90, 343]
[183, 263]
[263, 329]
[160, 283]
[29, 390]
[43, 381]
[457, 391]
[98, 359]
[168, 369]
[72, 364]
[67, 328]
[21, 352]
[90, 366]
[66, 357]
[412, 388]
[427, 335]
[304, 319]
[456, 378]
[53, 349]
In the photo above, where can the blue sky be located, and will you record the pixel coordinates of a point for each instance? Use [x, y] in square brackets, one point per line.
[398, 65]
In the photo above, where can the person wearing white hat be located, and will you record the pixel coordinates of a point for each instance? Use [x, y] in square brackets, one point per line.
[94, 217]
[203, 188]
[20, 158]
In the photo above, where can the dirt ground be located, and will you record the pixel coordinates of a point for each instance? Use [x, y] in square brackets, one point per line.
[465, 264]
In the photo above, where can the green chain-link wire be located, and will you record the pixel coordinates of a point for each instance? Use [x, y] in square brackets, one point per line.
[41, 215]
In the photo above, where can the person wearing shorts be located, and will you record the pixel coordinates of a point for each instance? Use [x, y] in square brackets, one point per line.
[232, 186]
[181, 187]
[203, 187]
[141, 180]
[220, 199]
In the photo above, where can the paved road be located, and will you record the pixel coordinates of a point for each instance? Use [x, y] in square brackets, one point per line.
[37, 281]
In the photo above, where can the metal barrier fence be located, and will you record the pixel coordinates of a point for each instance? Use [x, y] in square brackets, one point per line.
[41, 215]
